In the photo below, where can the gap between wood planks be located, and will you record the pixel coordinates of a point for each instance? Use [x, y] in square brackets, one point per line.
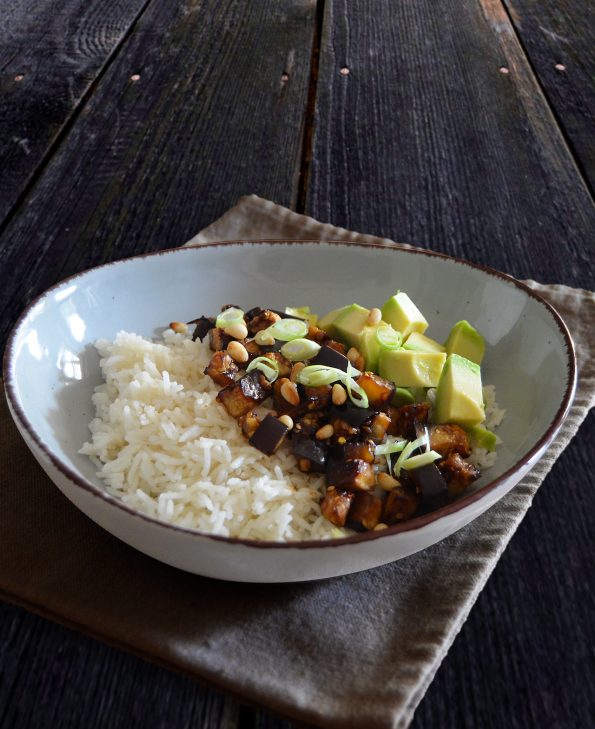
[299, 202]
[70, 121]
[489, 6]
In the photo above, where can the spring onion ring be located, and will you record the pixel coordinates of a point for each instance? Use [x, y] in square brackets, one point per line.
[268, 367]
[406, 453]
[228, 317]
[300, 349]
[288, 329]
[421, 460]
[388, 338]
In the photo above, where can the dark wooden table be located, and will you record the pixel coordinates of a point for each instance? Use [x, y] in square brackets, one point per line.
[462, 125]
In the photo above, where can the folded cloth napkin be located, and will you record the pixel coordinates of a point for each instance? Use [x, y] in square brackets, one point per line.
[287, 647]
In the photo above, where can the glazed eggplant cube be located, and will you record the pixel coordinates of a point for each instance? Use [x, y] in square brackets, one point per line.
[363, 450]
[204, 324]
[241, 397]
[218, 339]
[458, 474]
[365, 511]
[401, 504]
[269, 435]
[356, 475]
[404, 420]
[248, 423]
[307, 424]
[304, 448]
[221, 369]
[283, 406]
[318, 398]
[329, 357]
[352, 414]
[379, 391]
[262, 320]
[378, 426]
[449, 438]
[343, 430]
[335, 505]
[283, 364]
[430, 484]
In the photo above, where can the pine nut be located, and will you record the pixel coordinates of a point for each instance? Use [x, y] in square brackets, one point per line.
[355, 358]
[290, 392]
[380, 526]
[237, 352]
[327, 431]
[387, 482]
[339, 395]
[179, 327]
[238, 330]
[295, 371]
[286, 420]
[374, 317]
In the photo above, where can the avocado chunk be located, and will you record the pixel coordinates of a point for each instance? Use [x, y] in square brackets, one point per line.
[465, 341]
[348, 325]
[403, 315]
[422, 343]
[375, 338]
[407, 368]
[459, 397]
[327, 321]
[482, 438]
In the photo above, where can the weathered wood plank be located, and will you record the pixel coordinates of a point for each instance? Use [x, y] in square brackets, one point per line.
[50, 53]
[204, 103]
[438, 135]
[559, 38]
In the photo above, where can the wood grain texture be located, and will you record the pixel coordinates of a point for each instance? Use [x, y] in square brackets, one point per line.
[50, 53]
[562, 34]
[215, 112]
[426, 140]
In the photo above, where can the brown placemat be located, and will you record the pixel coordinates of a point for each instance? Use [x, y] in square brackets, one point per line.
[357, 651]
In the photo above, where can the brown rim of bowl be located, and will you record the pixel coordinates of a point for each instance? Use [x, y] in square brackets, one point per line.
[415, 523]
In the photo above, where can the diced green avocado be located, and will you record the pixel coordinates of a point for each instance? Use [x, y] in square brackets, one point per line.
[349, 323]
[403, 315]
[402, 397]
[422, 343]
[375, 338]
[459, 398]
[466, 341]
[327, 321]
[483, 438]
[407, 368]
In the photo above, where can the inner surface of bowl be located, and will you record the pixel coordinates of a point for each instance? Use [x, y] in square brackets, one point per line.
[54, 366]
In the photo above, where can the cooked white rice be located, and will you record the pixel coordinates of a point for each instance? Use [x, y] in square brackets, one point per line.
[166, 448]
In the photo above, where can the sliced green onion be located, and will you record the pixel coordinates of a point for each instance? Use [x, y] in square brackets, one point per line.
[391, 446]
[421, 460]
[388, 338]
[300, 349]
[353, 388]
[228, 317]
[264, 338]
[302, 312]
[268, 367]
[288, 329]
[406, 452]
[318, 375]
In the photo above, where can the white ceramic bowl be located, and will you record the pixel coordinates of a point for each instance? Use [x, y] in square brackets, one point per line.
[51, 368]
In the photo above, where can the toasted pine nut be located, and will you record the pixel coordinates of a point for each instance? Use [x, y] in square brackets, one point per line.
[237, 351]
[327, 431]
[356, 358]
[295, 371]
[286, 420]
[339, 395]
[387, 482]
[179, 327]
[380, 526]
[264, 339]
[290, 392]
[374, 317]
[238, 330]
[341, 440]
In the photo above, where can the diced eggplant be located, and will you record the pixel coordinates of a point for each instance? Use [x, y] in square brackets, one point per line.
[449, 438]
[458, 474]
[329, 357]
[317, 335]
[241, 397]
[379, 391]
[365, 511]
[356, 475]
[401, 504]
[405, 419]
[204, 324]
[363, 450]
[352, 414]
[343, 431]
[253, 350]
[283, 364]
[378, 426]
[221, 369]
[335, 505]
[269, 435]
[311, 450]
[283, 406]
[248, 423]
[318, 398]
[430, 484]
[307, 424]
[218, 339]
[337, 346]
[263, 320]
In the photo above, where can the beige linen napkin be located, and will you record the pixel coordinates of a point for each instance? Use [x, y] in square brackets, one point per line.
[357, 651]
